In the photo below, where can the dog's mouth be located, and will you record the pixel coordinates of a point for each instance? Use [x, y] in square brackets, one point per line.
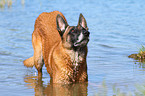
[81, 43]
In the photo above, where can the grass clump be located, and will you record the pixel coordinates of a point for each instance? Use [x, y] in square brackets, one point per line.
[140, 56]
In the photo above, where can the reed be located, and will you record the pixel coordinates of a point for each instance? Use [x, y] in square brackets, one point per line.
[141, 53]
[9, 3]
[4, 3]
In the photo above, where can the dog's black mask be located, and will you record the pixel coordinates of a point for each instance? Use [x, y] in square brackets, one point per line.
[79, 36]
[73, 36]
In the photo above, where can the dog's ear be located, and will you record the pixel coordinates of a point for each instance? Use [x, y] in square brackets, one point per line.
[61, 24]
[82, 21]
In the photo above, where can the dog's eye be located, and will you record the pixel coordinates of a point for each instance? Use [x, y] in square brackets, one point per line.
[72, 30]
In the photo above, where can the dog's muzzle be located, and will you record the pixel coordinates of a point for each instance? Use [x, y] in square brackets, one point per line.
[84, 40]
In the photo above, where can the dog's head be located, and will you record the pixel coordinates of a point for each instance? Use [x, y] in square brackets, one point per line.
[73, 37]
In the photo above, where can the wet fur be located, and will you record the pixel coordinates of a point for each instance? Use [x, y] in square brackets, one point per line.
[64, 62]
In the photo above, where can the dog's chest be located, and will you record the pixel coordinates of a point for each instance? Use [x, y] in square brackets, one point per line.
[76, 58]
[76, 63]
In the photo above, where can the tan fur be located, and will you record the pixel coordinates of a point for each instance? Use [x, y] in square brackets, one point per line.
[48, 47]
[29, 62]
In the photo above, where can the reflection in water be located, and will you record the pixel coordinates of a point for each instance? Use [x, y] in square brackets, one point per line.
[140, 64]
[79, 89]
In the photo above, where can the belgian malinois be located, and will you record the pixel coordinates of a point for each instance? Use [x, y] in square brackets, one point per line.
[61, 47]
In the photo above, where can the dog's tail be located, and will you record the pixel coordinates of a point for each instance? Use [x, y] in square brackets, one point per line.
[29, 62]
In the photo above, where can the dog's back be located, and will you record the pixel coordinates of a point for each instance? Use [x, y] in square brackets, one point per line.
[44, 37]
[46, 26]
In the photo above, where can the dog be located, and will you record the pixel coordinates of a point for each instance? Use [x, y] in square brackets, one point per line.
[61, 47]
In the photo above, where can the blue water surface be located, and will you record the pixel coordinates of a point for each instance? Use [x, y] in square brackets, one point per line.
[117, 30]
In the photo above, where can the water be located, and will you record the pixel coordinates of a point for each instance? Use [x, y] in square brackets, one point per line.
[117, 30]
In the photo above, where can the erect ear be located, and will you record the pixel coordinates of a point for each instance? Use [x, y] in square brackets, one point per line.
[61, 24]
[82, 21]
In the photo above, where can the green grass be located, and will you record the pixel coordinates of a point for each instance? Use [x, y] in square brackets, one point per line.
[141, 53]
[142, 49]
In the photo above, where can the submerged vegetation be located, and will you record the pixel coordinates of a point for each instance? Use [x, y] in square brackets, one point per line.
[139, 91]
[140, 56]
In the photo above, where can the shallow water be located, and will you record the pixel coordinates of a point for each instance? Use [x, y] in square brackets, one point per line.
[117, 30]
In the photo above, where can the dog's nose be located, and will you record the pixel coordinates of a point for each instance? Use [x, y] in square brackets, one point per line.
[86, 33]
